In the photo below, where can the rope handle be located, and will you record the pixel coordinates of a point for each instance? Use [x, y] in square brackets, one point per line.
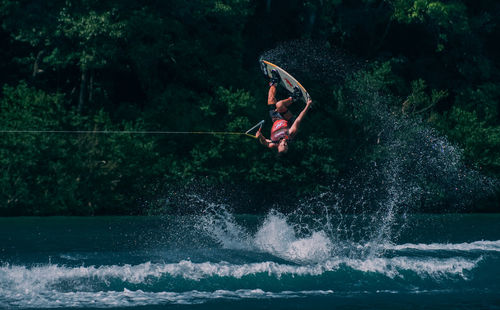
[259, 124]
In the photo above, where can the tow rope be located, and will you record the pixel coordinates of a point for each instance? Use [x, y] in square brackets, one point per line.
[130, 132]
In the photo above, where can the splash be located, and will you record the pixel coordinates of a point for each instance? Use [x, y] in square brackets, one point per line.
[278, 237]
[313, 60]
[219, 223]
[300, 239]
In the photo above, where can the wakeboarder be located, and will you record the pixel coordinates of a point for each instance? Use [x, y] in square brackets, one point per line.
[285, 125]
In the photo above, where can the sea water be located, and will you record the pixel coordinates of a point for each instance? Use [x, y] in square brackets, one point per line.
[220, 260]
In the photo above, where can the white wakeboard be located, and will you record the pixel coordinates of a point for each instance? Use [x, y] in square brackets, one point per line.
[287, 80]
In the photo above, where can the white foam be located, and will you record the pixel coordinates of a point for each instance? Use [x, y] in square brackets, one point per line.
[140, 298]
[482, 245]
[42, 276]
[425, 267]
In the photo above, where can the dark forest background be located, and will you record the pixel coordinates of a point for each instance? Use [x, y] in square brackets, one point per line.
[193, 66]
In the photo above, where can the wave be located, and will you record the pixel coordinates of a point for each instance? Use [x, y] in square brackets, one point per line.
[148, 283]
[188, 282]
[141, 298]
[43, 276]
[483, 245]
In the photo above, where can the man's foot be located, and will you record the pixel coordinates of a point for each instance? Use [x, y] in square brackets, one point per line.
[275, 78]
[297, 94]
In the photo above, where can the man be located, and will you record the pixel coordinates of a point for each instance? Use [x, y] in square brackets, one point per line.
[285, 127]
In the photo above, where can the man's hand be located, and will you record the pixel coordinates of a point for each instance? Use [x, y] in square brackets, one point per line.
[309, 102]
[261, 137]
[258, 134]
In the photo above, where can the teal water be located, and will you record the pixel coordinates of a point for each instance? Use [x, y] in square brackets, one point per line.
[222, 261]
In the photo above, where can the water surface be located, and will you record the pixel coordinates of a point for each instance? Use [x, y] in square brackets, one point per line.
[218, 260]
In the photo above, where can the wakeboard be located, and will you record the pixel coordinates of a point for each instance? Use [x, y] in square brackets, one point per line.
[287, 80]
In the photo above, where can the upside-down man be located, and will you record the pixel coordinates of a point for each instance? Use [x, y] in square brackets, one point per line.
[285, 125]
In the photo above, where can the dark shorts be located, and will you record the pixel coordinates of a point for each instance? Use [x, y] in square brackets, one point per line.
[275, 115]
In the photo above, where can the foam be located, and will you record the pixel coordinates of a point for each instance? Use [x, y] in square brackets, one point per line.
[423, 267]
[482, 245]
[140, 298]
[42, 276]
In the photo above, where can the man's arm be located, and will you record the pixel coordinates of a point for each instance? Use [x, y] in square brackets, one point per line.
[263, 140]
[295, 127]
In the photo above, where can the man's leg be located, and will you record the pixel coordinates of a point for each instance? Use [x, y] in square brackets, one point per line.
[282, 108]
[271, 97]
[282, 105]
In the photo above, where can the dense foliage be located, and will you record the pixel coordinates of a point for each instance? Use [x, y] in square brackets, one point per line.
[192, 66]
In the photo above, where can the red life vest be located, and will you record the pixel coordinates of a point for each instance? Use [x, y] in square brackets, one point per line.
[279, 130]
